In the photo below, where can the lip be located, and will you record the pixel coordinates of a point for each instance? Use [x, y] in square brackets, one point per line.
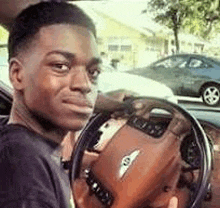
[80, 102]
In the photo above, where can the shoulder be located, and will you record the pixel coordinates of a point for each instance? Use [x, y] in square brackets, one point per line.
[21, 156]
[22, 148]
[27, 168]
[23, 141]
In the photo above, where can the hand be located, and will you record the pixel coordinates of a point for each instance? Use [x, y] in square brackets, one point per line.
[121, 95]
[173, 203]
[128, 107]
[112, 101]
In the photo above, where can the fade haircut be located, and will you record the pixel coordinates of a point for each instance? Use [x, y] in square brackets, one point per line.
[32, 19]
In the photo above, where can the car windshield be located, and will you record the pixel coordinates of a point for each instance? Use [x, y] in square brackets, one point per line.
[137, 41]
[150, 48]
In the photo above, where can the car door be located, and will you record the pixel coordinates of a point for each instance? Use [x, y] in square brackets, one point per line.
[200, 73]
[170, 72]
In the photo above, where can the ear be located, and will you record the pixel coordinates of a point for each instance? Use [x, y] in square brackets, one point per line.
[16, 73]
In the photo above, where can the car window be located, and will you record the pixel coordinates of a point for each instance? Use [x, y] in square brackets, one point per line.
[194, 63]
[5, 105]
[197, 63]
[5, 99]
[170, 62]
[183, 64]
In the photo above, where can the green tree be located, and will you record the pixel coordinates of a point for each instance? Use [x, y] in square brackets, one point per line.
[170, 13]
[194, 16]
[204, 19]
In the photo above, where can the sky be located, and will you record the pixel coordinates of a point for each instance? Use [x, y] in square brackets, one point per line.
[129, 11]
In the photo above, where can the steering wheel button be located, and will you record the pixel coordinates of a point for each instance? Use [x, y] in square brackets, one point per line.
[159, 133]
[94, 186]
[137, 122]
[106, 199]
[157, 127]
[100, 194]
[90, 181]
[149, 128]
[152, 132]
[140, 123]
[98, 189]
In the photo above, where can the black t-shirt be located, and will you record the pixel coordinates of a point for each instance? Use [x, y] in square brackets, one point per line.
[31, 174]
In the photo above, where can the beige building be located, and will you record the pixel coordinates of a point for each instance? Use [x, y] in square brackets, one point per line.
[126, 45]
[132, 46]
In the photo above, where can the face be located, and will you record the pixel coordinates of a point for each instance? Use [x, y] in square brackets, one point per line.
[60, 72]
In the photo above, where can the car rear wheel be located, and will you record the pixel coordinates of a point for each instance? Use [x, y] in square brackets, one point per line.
[211, 95]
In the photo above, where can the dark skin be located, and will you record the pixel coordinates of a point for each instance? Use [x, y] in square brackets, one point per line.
[55, 81]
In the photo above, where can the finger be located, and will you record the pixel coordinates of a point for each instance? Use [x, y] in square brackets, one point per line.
[173, 203]
[138, 105]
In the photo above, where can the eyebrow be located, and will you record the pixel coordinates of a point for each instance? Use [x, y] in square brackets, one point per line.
[94, 61]
[67, 55]
[71, 56]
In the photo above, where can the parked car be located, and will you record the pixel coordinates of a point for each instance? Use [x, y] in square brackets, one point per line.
[135, 85]
[187, 75]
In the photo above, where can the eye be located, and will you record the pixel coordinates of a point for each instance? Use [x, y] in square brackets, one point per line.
[60, 67]
[93, 72]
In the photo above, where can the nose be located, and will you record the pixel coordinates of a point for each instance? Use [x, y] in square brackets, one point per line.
[80, 80]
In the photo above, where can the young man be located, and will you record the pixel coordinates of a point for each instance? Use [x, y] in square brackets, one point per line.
[54, 65]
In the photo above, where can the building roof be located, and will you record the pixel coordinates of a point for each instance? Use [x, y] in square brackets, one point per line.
[132, 17]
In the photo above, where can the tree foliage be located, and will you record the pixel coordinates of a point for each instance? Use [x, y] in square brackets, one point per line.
[204, 19]
[199, 17]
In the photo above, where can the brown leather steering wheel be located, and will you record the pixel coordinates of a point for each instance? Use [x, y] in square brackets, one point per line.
[138, 162]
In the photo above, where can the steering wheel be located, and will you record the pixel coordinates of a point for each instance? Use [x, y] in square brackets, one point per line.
[141, 159]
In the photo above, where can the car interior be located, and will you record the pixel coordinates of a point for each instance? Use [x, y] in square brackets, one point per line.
[140, 158]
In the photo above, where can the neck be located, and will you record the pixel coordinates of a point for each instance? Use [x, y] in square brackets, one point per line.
[22, 116]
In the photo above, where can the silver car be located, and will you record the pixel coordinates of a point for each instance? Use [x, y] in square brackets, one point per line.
[191, 75]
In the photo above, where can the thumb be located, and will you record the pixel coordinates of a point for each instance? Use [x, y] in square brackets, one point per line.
[173, 203]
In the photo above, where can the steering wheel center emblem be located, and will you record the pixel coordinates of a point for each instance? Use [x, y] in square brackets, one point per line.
[127, 161]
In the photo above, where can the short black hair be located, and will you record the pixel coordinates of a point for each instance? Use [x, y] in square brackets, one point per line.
[32, 19]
